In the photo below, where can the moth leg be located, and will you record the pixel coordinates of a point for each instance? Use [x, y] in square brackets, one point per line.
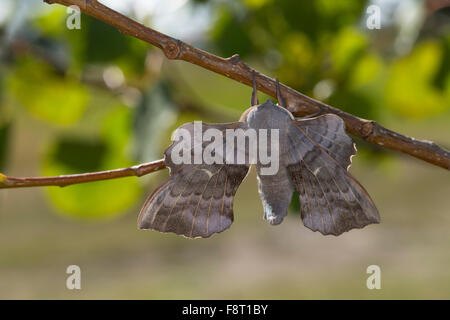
[254, 101]
[279, 96]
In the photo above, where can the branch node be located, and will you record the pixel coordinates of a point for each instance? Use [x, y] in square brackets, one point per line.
[137, 170]
[234, 59]
[367, 128]
[172, 49]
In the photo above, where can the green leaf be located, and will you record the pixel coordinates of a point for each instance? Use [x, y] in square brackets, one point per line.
[78, 155]
[299, 58]
[101, 199]
[100, 43]
[366, 72]
[347, 47]
[410, 91]
[53, 22]
[46, 95]
[231, 35]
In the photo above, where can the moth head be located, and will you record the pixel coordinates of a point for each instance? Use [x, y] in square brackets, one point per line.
[267, 111]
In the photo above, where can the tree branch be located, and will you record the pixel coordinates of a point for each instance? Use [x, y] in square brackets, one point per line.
[66, 180]
[233, 68]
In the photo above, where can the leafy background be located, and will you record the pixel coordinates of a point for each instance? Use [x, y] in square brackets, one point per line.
[93, 99]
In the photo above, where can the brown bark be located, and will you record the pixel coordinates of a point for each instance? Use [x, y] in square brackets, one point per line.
[66, 180]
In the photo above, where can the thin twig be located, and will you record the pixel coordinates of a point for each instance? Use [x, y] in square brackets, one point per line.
[234, 68]
[66, 180]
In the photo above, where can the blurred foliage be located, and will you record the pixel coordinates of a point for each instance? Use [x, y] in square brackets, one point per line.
[110, 101]
[46, 95]
[84, 154]
[4, 133]
[424, 97]
[5, 124]
[153, 118]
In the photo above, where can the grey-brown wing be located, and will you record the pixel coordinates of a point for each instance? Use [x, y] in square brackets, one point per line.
[328, 131]
[331, 200]
[197, 199]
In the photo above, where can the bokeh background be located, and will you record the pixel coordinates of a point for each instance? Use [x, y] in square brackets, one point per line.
[92, 99]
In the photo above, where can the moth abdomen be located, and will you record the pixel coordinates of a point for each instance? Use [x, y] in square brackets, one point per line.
[275, 192]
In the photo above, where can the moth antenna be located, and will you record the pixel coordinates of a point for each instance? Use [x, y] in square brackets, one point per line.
[254, 101]
[279, 96]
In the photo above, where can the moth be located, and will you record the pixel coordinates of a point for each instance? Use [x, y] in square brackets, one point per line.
[314, 155]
